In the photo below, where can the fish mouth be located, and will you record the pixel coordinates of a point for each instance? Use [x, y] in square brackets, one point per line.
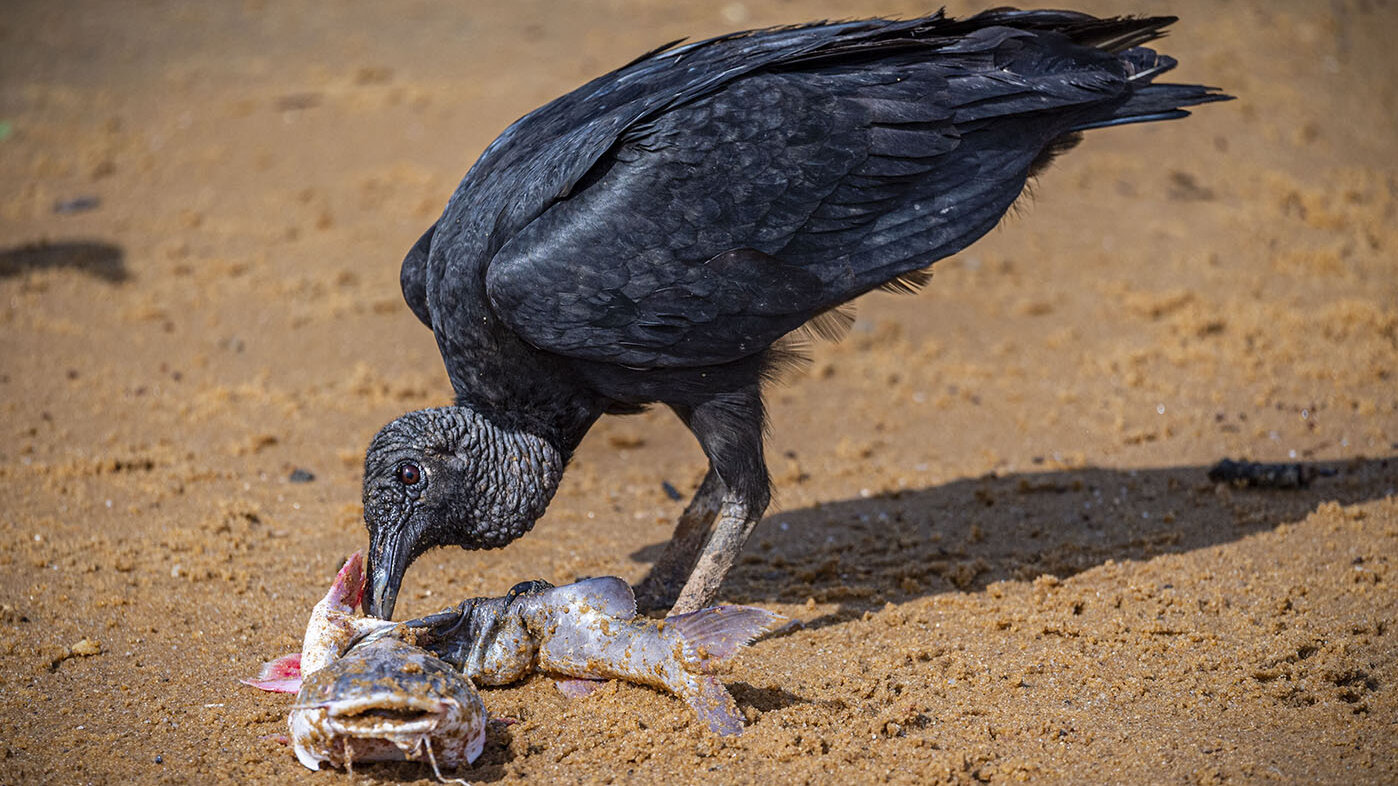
[385, 716]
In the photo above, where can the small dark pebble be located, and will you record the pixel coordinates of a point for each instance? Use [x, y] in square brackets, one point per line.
[299, 475]
[159, 759]
[1252, 474]
[670, 491]
[80, 204]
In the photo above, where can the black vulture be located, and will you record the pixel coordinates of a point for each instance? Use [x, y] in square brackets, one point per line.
[652, 237]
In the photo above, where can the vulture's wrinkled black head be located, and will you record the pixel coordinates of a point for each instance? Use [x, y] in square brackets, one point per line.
[448, 477]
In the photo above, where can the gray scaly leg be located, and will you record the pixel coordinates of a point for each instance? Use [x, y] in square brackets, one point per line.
[735, 523]
[659, 589]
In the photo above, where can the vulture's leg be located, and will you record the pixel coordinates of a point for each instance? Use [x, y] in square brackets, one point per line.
[660, 587]
[729, 428]
[736, 520]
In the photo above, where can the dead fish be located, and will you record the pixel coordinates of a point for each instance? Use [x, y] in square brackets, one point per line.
[589, 630]
[384, 700]
[372, 690]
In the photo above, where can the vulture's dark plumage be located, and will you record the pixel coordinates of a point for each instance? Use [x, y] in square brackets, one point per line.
[651, 237]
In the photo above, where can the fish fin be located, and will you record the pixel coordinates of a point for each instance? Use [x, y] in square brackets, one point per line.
[280, 675]
[714, 634]
[288, 685]
[606, 595]
[578, 688]
[288, 665]
[714, 705]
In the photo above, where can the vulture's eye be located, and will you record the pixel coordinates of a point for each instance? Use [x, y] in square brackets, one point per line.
[408, 473]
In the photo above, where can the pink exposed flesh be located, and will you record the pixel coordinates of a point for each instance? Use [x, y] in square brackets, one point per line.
[348, 588]
[282, 675]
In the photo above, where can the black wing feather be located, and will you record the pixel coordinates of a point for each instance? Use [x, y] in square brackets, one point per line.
[413, 276]
[696, 205]
[869, 173]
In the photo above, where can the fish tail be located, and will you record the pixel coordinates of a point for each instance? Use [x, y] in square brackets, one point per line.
[714, 634]
[714, 705]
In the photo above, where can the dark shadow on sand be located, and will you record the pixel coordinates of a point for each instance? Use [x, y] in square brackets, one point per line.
[99, 260]
[964, 535]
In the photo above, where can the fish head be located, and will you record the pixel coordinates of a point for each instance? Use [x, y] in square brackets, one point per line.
[390, 714]
[386, 701]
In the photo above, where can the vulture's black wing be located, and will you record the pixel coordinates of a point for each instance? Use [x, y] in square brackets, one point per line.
[546, 157]
[710, 228]
[413, 276]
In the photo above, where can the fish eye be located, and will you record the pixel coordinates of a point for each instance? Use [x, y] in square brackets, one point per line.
[408, 473]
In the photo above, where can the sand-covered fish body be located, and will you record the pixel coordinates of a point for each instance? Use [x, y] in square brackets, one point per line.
[387, 700]
[590, 630]
[483, 637]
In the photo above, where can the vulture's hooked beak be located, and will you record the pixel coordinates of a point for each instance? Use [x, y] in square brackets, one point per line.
[388, 561]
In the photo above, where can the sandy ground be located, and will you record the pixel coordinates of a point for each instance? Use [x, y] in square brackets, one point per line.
[992, 514]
